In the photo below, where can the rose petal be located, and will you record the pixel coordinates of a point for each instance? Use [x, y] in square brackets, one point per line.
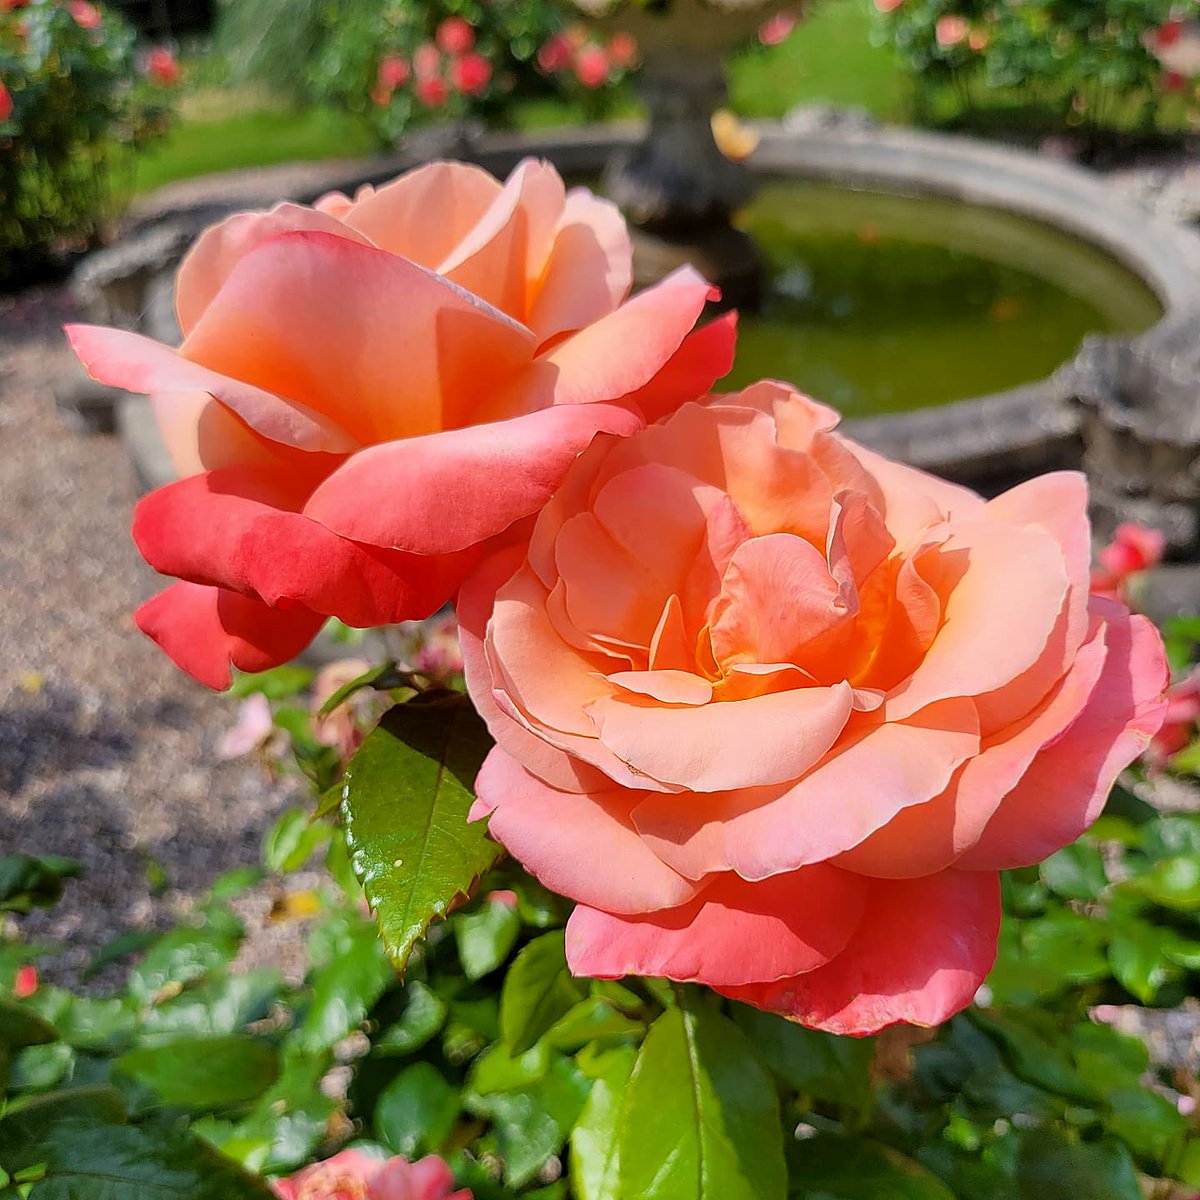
[582, 846]
[703, 357]
[128, 360]
[422, 495]
[205, 629]
[920, 952]
[733, 933]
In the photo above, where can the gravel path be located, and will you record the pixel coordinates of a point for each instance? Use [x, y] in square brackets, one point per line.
[106, 751]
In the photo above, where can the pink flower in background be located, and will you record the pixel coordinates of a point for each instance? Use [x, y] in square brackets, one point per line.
[777, 29]
[888, 6]
[86, 16]
[470, 74]
[430, 648]
[978, 40]
[354, 1175]
[951, 30]
[345, 727]
[591, 67]
[623, 50]
[554, 54]
[1179, 726]
[427, 61]
[6, 103]
[162, 66]
[1134, 548]
[26, 982]
[394, 71]
[776, 711]
[455, 36]
[433, 93]
[255, 728]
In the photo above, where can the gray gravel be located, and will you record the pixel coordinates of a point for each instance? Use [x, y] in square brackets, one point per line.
[106, 750]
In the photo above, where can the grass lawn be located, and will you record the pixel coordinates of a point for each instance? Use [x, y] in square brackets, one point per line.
[830, 58]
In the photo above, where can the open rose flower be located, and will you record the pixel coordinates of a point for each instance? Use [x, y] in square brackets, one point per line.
[354, 1175]
[775, 711]
[371, 389]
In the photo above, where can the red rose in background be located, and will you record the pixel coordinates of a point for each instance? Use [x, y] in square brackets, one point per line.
[470, 74]
[455, 36]
[86, 16]
[372, 390]
[6, 103]
[163, 67]
[591, 67]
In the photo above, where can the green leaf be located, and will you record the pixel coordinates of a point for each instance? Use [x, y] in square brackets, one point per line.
[845, 1168]
[39, 1068]
[383, 676]
[87, 1161]
[593, 1019]
[279, 683]
[220, 1005]
[1172, 882]
[532, 1101]
[701, 1119]
[817, 1065]
[181, 957]
[1076, 872]
[1032, 1057]
[486, 937]
[27, 882]
[293, 840]
[129, 942]
[23, 1130]
[204, 1073]
[538, 991]
[416, 1111]
[1051, 1165]
[1137, 955]
[21, 1026]
[407, 793]
[423, 1015]
[595, 1144]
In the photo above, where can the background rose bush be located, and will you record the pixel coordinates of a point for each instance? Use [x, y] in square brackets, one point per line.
[73, 103]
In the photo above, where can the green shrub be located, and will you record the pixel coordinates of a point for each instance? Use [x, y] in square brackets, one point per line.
[76, 101]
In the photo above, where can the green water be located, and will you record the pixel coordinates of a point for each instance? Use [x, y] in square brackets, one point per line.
[879, 303]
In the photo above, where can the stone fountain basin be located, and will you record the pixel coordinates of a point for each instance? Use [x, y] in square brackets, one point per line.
[987, 442]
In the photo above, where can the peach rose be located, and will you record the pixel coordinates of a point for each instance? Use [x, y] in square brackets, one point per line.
[370, 389]
[775, 711]
[354, 1175]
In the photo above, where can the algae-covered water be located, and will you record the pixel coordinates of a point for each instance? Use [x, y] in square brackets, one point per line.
[878, 303]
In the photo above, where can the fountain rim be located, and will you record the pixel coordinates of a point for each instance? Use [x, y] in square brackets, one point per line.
[985, 441]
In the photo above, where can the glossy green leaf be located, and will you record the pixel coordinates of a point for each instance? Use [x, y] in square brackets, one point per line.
[595, 1140]
[222, 1004]
[1137, 955]
[1172, 882]
[1076, 872]
[23, 1131]
[817, 1065]
[1035, 1058]
[293, 840]
[848, 1168]
[485, 937]
[1051, 1165]
[21, 1026]
[532, 1103]
[407, 793]
[39, 1068]
[383, 675]
[181, 957]
[416, 1111]
[538, 991]
[701, 1119]
[125, 944]
[204, 1073]
[28, 882]
[424, 1014]
[279, 683]
[593, 1019]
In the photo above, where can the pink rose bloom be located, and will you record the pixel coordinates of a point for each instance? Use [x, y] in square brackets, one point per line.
[427, 60]
[163, 67]
[1134, 548]
[394, 71]
[777, 29]
[430, 648]
[6, 103]
[950, 31]
[1179, 724]
[26, 982]
[591, 67]
[622, 50]
[455, 36]
[255, 729]
[371, 390]
[888, 6]
[775, 711]
[978, 40]
[470, 74]
[85, 15]
[433, 93]
[554, 54]
[354, 1175]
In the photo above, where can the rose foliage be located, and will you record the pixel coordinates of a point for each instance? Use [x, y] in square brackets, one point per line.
[771, 713]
